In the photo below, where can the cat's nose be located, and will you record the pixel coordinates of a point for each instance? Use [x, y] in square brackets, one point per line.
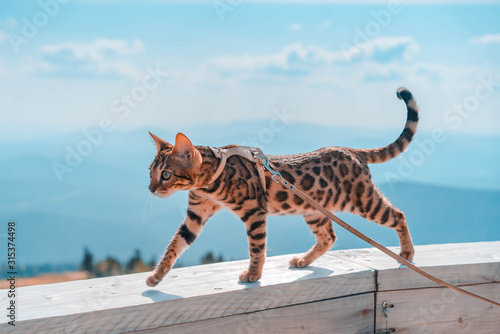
[152, 189]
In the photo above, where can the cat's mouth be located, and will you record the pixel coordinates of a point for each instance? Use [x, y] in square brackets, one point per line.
[161, 194]
[164, 193]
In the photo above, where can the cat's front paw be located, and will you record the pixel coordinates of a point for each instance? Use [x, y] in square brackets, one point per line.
[247, 277]
[407, 254]
[153, 280]
[298, 262]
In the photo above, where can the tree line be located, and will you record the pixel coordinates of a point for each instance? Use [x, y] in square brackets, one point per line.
[111, 266]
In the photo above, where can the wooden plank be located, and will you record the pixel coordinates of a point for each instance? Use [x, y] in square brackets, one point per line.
[194, 294]
[187, 294]
[352, 314]
[466, 263]
[404, 279]
[163, 313]
[440, 310]
[131, 290]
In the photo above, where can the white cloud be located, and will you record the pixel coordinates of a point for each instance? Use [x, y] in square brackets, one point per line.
[486, 39]
[100, 57]
[384, 49]
[3, 36]
[297, 59]
[295, 27]
[292, 57]
[95, 49]
[324, 25]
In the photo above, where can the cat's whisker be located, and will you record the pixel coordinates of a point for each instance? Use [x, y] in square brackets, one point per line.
[151, 208]
[144, 210]
[137, 184]
[143, 194]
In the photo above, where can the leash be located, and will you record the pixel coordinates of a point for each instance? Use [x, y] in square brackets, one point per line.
[256, 155]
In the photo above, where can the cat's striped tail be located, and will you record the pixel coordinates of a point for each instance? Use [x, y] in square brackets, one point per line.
[391, 151]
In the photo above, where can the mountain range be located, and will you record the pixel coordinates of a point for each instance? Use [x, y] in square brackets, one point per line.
[450, 193]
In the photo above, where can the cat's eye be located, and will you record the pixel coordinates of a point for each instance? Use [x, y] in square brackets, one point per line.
[166, 175]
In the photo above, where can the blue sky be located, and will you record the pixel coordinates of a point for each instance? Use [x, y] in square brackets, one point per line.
[326, 62]
[331, 68]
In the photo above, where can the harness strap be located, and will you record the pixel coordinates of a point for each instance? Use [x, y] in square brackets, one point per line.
[246, 152]
[222, 155]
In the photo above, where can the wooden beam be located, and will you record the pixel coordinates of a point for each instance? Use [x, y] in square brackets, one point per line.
[211, 295]
[465, 263]
[122, 303]
[440, 310]
[353, 314]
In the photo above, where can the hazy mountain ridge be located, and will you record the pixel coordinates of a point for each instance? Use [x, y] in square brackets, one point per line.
[102, 203]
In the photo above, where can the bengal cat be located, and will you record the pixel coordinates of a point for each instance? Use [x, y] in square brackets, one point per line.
[336, 177]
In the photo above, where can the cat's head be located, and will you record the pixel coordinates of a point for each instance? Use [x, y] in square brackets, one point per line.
[175, 167]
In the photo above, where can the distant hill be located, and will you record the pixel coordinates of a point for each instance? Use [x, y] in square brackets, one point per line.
[452, 196]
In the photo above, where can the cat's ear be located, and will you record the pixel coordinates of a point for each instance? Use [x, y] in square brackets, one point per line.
[184, 147]
[160, 143]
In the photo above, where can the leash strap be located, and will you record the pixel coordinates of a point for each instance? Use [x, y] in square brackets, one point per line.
[256, 155]
[276, 176]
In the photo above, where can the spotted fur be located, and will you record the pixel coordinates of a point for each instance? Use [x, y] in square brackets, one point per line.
[336, 177]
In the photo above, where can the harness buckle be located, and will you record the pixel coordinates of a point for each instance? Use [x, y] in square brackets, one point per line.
[276, 176]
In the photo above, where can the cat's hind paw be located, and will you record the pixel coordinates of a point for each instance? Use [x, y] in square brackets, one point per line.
[247, 277]
[153, 280]
[298, 262]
